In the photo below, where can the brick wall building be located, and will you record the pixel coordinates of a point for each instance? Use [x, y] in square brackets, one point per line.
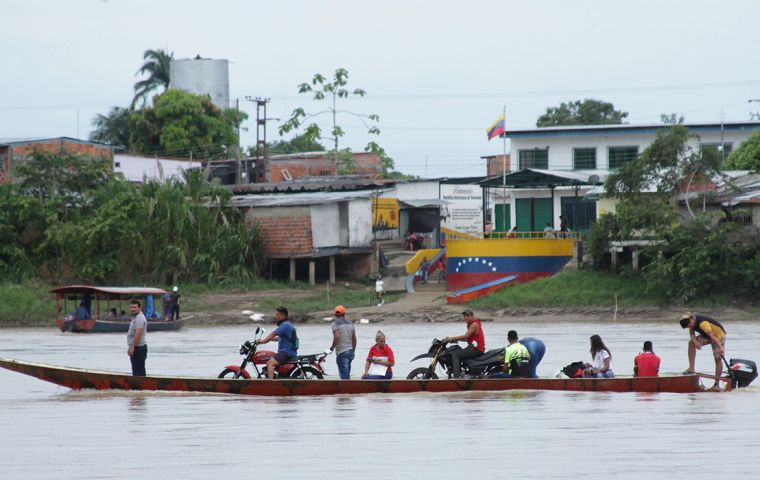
[318, 235]
[495, 165]
[282, 168]
[15, 151]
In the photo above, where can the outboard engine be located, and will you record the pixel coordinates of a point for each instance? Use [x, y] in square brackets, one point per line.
[744, 372]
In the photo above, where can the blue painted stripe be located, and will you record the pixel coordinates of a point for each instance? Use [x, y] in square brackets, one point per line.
[483, 285]
[505, 264]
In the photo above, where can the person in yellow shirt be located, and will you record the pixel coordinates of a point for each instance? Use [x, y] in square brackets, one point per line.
[703, 330]
[516, 359]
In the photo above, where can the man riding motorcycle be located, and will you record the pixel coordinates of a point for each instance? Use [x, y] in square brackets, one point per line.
[286, 347]
[476, 344]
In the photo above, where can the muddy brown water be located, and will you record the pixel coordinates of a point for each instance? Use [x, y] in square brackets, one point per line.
[51, 432]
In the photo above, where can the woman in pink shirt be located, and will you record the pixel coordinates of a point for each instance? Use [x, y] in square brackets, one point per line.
[380, 355]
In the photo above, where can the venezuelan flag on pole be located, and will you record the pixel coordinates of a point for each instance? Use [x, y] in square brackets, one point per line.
[496, 129]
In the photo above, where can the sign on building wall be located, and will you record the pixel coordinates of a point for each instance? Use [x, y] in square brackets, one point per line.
[384, 214]
[464, 212]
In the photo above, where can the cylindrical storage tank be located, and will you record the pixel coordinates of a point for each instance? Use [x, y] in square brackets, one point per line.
[203, 76]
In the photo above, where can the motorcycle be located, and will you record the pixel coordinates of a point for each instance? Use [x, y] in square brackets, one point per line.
[440, 355]
[306, 367]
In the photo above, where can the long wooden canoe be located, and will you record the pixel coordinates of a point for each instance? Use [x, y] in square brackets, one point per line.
[77, 379]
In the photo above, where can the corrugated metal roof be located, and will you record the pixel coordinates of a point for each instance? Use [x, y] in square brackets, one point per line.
[315, 184]
[299, 199]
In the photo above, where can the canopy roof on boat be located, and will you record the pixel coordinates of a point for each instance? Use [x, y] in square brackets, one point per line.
[69, 289]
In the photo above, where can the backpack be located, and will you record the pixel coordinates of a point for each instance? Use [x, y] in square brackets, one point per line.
[294, 339]
[574, 370]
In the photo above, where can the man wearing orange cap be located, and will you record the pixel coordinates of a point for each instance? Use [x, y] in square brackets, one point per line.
[344, 341]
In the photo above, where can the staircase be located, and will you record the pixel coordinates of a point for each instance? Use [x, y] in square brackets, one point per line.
[394, 274]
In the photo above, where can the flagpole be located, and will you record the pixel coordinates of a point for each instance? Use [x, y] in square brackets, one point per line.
[504, 174]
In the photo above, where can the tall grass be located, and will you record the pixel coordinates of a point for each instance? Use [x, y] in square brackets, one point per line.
[26, 304]
[577, 289]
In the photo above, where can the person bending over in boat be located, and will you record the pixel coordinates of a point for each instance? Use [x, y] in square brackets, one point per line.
[516, 359]
[601, 366]
[380, 355]
[476, 343]
[703, 330]
[287, 346]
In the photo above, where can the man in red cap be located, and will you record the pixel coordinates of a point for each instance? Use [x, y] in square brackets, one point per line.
[344, 341]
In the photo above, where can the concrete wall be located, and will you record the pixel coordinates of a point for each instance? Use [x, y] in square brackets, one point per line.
[360, 223]
[414, 191]
[324, 225]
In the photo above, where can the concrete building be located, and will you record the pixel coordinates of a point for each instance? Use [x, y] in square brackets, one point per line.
[314, 235]
[495, 164]
[281, 168]
[139, 169]
[591, 151]
[16, 150]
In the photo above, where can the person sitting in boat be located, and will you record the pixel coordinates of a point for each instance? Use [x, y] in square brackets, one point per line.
[516, 359]
[287, 346]
[601, 366]
[646, 364]
[380, 355]
[703, 330]
[112, 315]
[476, 343]
[81, 313]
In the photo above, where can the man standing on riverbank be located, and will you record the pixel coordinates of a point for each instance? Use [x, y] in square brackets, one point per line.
[136, 339]
[703, 330]
[476, 343]
[344, 341]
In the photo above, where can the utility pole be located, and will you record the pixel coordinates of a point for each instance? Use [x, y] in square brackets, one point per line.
[262, 154]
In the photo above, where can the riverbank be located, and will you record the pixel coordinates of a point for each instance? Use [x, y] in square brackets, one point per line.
[566, 297]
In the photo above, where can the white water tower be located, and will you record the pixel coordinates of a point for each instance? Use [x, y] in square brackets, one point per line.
[203, 76]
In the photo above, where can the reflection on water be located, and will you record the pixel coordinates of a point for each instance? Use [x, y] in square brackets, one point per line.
[46, 431]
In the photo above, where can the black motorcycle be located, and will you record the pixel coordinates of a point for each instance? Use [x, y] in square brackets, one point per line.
[440, 355]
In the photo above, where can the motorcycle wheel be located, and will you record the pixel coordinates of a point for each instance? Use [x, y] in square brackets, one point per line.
[422, 373]
[228, 373]
[306, 373]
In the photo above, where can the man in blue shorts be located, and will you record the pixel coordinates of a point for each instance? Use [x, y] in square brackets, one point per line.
[286, 346]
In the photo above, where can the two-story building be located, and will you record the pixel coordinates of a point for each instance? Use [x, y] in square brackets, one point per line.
[593, 151]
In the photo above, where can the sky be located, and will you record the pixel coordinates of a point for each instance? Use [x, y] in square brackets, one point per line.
[438, 73]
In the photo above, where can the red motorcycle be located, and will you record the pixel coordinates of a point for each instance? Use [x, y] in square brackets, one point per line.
[307, 367]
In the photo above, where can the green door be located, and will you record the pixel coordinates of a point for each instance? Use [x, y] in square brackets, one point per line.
[533, 213]
[500, 211]
[542, 213]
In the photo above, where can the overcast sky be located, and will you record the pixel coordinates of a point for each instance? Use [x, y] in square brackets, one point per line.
[437, 72]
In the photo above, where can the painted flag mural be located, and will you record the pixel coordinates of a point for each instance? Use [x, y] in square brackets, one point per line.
[475, 262]
[496, 129]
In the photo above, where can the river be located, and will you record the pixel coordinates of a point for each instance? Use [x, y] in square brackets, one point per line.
[47, 432]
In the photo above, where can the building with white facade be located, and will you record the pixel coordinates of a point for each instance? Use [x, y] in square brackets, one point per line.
[591, 150]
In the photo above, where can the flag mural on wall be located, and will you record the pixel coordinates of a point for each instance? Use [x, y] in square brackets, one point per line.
[475, 262]
[496, 129]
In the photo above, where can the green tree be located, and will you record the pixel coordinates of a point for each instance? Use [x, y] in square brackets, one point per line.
[747, 155]
[113, 128]
[181, 124]
[157, 67]
[586, 112]
[299, 143]
[330, 90]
